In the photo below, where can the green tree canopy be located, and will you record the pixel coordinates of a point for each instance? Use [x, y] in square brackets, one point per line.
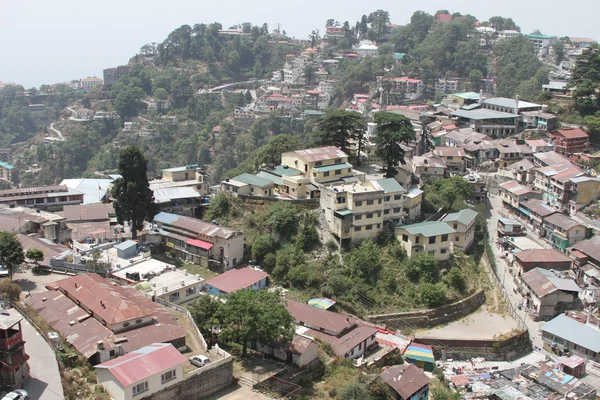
[364, 261]
[342, 129]
[11, 251]
[433, 295]
[35, 255]
[260, 316]
[132, 198]
[392, 130]
[453, 189]
[204, 310]
[355, 391]
[586, 79]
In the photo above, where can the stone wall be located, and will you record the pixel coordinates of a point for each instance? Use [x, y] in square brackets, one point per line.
[201, 383]
[432, 317]
[507, 349]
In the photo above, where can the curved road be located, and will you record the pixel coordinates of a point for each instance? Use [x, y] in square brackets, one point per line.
[58, 133]
[45, 382]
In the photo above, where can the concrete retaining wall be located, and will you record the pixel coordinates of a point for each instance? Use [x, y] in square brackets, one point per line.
[432, 317]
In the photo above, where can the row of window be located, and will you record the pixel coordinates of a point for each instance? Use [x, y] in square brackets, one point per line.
[432, 252]
[164, 378]
[432, 239]
[190, 291]
[367, 227]
[327, 173]
[320, 163]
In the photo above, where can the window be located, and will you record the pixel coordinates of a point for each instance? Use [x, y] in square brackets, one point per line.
[369, 202]
[357, 228]
[318, 163]
[338, 171]
[456, 239]
[140, 388]
[432, 252]
[386, 212]
[168, 376]
[357, 217]
[51, 200]
[174, 296]
[398, 197]
[396, 210]
[432, 240]
[378, 226]
[417, 239]
[455, 226]
[338, 161]
[358, 203]
[444, 238]
[112, 353]
[369, 215]
[388, 198]
[190, 291]
[405, 238]
[368, 227]
[443, 251]
[326, 173]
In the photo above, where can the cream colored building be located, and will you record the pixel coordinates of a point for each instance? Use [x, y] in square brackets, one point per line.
[463, 222]
[429, 168]
[434, 238]
[412, 207]
[318, 166]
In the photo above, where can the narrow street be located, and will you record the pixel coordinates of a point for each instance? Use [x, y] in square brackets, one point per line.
[45, 382]
[502, 269]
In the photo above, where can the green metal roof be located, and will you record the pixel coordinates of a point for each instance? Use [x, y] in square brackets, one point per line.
[285, 170]
[467, 95]
[465, 216]
[344, 212]
[273, 178]
[6, 165]
[428, 229]
[253, 180]
[333, 167]
[399, 56]
[313, 112]
[390, 185]
[537, 36]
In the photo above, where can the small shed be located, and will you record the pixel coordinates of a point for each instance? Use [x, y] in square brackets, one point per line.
[126, 249]
[421, 355]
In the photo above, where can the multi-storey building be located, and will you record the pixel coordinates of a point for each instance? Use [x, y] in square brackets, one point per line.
[446, 86]
[334, 32]
[396, 90]
[463, 223]
[112, 75]
[570, 141]
[200, 242]
[14, 370]
[90, 83]
[433, 237]
[52, 198]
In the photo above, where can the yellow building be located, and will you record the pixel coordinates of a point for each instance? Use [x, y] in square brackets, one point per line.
[463, 222]
[434, 238]
[583, 190]
[6, 171]
[318, 166]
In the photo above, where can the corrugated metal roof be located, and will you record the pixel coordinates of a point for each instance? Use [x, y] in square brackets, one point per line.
[237, 279]
[253, 180]
[506, 102]
[93, 189]
[574, 332]
[143, 363]
[126, 245]
[334, 167]
[277, 180]
[483, 114]
[465, 216]
[406, 379]
[321, 153]
[389, 185]
[165, 195]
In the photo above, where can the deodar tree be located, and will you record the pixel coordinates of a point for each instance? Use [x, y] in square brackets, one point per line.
[132, 198]
[342, 129]
[392, 129]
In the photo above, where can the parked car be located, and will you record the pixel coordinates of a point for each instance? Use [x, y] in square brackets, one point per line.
[200, 361]
[18, 394]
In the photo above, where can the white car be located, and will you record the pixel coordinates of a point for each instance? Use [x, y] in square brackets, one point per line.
[200, 361]
[18, 394]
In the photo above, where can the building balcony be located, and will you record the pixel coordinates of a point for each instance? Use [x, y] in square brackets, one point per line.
[14, 338]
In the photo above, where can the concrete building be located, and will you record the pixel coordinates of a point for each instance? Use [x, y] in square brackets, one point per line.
[237, 279]
[126, 249]
[15, 370]
[303, 351]
[359, 211]
[580, 42]
[539, 120]
[434, 238]
[142, 372]
[249, 185]
[317, 166]
[562, 231]
[446, 86]
[52, 198]
[429, 167]
[513, 193]
[577, 338]
[398, 89]
[570, 141]
[197, 241]
[463, 222]
[542, 42]
[334, 32]
[94, 190]
[6, 171]
[548, 259]
[90, 83]
[456, 159]
[366, 48]
[550, 292]
[582, 191]
[412, 207]
[112, 75]
[508, 34]
[489, 122]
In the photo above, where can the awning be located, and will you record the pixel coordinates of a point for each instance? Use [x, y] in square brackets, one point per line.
[525, 211]
[200, 243]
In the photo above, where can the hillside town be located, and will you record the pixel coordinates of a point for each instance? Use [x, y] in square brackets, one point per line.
[240, 214]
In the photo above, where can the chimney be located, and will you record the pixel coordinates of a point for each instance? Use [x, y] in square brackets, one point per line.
[347, 320]
[182, 283]
[100, 345]
[76, 285]
[102, 304]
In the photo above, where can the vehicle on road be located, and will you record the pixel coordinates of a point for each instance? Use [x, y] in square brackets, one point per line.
[18, 394]
[200, 361]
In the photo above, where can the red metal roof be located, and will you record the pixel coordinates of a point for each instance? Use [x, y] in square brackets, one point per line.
[237, 279]
[200, 243]
[575, 133]
[141, 364]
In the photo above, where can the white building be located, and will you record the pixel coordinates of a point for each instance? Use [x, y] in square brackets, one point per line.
[161, 105]
[326, 87]
[366, 48]
[292, 75]
[508, 34]
[142, 372]
[89, 83]
[446, 86]
[399, 88]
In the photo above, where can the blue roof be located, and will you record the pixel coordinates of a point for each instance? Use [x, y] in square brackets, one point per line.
[180, 169]
[285, 170]
[6, 165]
[166, 218]
[574, 331]
[126, 245]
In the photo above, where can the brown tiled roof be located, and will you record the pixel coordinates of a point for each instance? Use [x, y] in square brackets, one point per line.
[236, 279]
[318, 318]
[405, 379]
[351, 339]
[541, 256]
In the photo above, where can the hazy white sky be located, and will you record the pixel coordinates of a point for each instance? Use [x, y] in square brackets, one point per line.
[49, 41]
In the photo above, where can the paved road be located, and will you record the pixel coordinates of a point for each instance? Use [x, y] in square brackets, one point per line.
[59, 133]
[45, 382]
[504, 274]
